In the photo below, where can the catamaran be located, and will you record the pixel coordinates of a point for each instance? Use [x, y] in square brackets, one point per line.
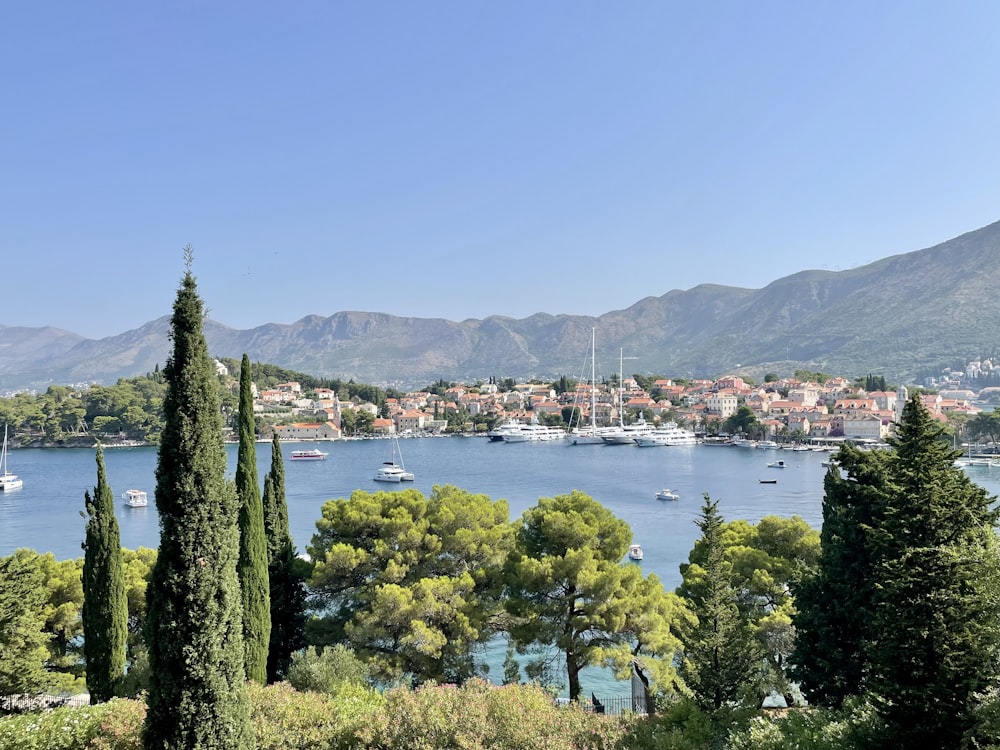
[390, 471]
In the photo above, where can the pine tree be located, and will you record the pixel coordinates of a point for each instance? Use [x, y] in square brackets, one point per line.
[194, 629]
[934, 647]
[287, 593]
[105, 606]
[252, 567]
[905, 610]
[834, 606]
[722, 661]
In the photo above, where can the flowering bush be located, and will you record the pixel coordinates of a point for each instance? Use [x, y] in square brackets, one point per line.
[114, 725]
[284, 718]
[481, 716]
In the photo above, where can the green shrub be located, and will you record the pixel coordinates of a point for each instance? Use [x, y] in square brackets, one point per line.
[679, 726]
[284, 718]
[481, 716]
[326, 671]
[113, 725]
[855, 726]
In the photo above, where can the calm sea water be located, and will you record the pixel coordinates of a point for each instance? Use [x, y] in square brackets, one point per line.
[45, 514]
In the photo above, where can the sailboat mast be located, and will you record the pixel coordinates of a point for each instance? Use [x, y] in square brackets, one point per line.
[621, 387]
[593, 381]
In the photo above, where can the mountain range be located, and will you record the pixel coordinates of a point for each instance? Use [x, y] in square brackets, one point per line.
[899, 317]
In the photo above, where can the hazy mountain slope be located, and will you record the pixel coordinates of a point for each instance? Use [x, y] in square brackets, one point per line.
[895, 316]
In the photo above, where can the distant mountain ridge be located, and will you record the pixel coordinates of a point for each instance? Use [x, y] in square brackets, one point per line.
[894, 317]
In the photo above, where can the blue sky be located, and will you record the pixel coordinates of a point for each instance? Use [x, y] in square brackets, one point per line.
[460, 159]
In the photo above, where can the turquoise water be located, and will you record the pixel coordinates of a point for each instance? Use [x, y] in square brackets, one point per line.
[45, 514]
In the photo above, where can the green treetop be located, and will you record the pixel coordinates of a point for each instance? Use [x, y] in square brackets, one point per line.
[253, 561]
[567, 586]
[194, 629]
[105, 607]
[287, 590]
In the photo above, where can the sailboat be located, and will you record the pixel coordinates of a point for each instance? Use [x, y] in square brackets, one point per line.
[625, 434]
[589, 435]
[8, 481]
[390, 471]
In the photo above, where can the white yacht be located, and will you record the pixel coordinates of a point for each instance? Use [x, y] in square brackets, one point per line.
[499, 434]
[533, 433]
[666, 434]
[628, 434]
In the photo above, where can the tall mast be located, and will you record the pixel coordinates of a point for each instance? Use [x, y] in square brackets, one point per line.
[593, 382]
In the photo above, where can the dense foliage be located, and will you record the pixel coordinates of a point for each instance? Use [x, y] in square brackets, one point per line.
[253, 559]
[721, 659]
[105, 608]
[567, 587]
[22, 639]
[194, 631]
[410, 583]
[287, 594]
[917, 539]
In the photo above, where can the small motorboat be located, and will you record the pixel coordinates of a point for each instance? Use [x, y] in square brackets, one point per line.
[777, 465]
[135, 498]
[635, 552]
[666, 494]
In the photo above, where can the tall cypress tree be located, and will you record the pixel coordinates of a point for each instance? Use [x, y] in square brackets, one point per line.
[286, 585]
[105, 606]
[252, 567]
[194, 628]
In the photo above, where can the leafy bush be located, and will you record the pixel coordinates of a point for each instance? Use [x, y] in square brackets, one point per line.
[114, 725]
[679, 726]
[284, 718]
[855, 726]
[326, 671]
[481, 716]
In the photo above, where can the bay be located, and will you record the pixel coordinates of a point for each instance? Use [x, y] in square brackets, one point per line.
[45, 514]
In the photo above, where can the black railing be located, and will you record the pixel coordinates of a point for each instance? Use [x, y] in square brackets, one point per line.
[18, 704]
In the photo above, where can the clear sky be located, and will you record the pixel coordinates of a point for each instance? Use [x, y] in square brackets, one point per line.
[461, 159]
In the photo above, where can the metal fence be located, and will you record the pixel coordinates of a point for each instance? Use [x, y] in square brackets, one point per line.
[621, 705]
[18, 704]
[614, 706]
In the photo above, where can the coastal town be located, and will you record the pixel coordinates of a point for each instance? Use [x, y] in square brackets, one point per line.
[787, 409]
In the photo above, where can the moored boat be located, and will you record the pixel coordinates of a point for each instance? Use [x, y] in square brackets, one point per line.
[135, 498]
[667, 434]
[635, 552]
[667, 494]
[390, 471]
[314, 454]
[8, 481]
